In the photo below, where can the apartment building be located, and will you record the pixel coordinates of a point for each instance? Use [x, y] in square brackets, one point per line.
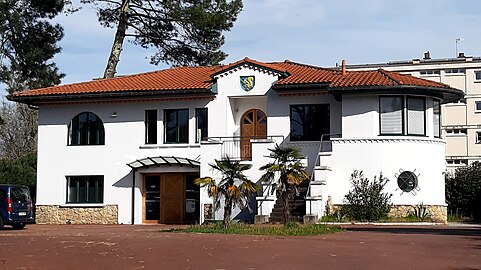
[461, 120]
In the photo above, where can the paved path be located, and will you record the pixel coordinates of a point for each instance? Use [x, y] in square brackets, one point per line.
[145, 247]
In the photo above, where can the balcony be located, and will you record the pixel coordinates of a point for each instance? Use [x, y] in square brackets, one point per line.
[240, 147]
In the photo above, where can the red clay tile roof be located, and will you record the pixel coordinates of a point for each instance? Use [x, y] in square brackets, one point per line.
[201, 78]
[178, 78]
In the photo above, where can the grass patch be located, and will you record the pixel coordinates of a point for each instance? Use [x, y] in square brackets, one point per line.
[291, 229]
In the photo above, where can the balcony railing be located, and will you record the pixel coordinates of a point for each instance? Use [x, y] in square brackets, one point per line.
[239, 147]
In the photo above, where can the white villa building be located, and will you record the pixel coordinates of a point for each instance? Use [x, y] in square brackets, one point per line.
[127, 149]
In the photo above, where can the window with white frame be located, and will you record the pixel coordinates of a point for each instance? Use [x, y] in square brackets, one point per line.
[456, 131]
[477, 105]
[455, 71]
[429, 72]
[402, 115]
[459, 162]
[477, 75]
[478, 136]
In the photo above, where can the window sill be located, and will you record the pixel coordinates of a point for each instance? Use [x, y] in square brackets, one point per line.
[82, 205]
[162, 146]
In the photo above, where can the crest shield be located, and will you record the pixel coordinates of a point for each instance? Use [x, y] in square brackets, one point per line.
[247, 83]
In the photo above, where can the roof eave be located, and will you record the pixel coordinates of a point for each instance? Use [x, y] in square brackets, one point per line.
[300, 87]
[147, 94]
[445, 94]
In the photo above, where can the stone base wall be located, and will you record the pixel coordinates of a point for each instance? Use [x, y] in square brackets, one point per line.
[436, 213]
[55, 214]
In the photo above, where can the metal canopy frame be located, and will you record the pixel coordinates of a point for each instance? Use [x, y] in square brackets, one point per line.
[162, 160]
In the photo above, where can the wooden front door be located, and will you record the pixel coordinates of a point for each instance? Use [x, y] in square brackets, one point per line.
[172, 199]
[253, 126]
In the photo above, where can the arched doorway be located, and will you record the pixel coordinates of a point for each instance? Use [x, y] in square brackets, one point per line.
[253, 126]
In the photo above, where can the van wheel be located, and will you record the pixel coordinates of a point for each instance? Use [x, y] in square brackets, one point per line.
[18, 226]
[1, 223]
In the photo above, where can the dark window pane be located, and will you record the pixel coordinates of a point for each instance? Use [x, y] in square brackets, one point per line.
[86, 129]
[309, 122]
[183, 124]
[85, 189]
[151, 126]
[177, 126]
[170, 126]
[201, 124]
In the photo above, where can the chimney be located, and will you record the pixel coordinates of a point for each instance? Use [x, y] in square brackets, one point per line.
[461, 55]
[427, 55]
[343, 67]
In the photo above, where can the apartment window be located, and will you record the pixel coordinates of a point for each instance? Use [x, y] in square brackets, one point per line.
[478, 136]
[86, 128]
[429, 72]
[201, 124]
[437, 118]
[455, 71]
[150, 126]
[456, 131]
[85, 189]
[176, 126]
[457, 162]
[478, 106]
[309, 122]
[400, 115]
[477, 75]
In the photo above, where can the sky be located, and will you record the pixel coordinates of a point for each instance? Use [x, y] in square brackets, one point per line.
[317, 32]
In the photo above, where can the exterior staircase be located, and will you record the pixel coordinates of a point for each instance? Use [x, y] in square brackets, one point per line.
[297, 206]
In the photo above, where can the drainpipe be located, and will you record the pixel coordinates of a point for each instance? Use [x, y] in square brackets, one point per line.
[133, 196]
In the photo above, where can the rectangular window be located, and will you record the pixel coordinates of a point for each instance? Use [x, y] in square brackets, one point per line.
[150, 126]
[85, 189]
[399, 115]
[455, 71]
[430, 72]
[478, 137]
[201, 124]
[391, 115]
[477, 106]
[457, 131]
[416, 108]
[309, 122]
[437, 118]
[477, 75]
[176, 126]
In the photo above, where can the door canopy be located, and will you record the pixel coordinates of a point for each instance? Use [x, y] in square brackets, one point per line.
[162, 160]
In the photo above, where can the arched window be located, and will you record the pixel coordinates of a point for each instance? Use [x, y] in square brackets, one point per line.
[86, 129]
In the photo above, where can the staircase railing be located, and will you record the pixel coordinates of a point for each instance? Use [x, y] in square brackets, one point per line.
[318, 162]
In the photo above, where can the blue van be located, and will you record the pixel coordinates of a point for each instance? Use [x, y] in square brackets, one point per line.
[15, 206]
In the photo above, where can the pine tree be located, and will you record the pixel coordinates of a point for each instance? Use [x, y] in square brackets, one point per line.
[185, 32]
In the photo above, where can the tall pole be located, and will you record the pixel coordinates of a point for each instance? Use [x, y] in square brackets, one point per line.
[457, 42]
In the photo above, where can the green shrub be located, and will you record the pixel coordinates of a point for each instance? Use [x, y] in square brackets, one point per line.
[463, 191]
[366, 200]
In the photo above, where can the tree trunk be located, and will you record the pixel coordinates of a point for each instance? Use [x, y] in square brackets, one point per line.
[227, 213]
[285, 201]
[114, 57]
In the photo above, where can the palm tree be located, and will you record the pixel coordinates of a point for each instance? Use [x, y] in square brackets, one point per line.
[285, 174]
[234, 186]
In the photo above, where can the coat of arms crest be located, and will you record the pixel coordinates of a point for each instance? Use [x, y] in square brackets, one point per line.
[247, 82]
